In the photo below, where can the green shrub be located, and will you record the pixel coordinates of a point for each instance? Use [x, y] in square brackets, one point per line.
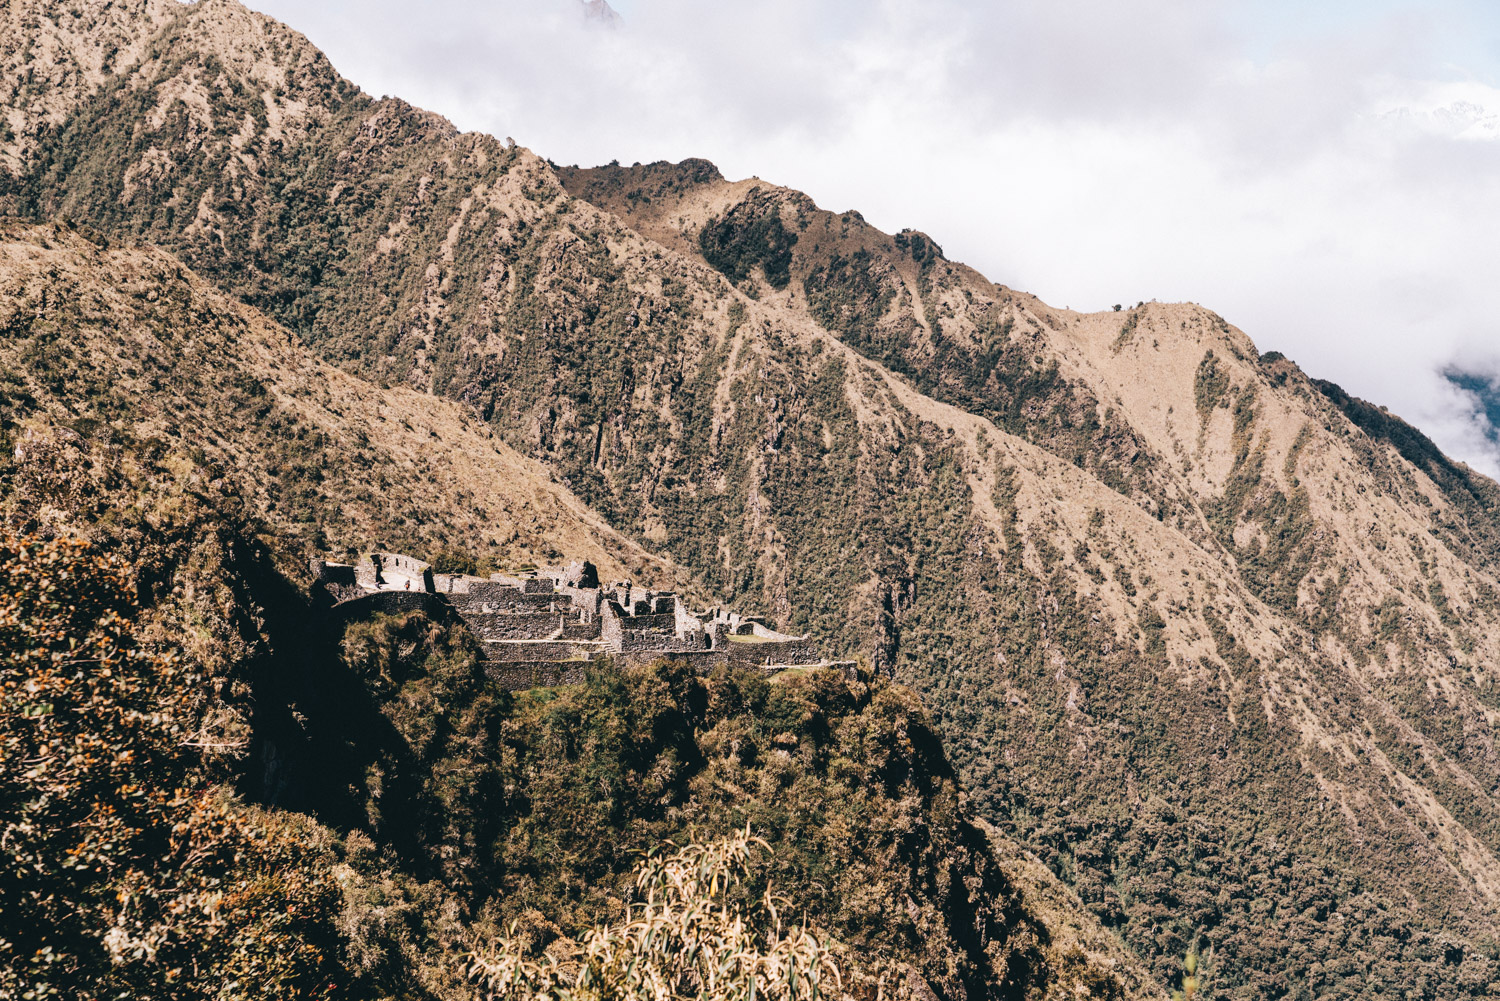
[750, 235]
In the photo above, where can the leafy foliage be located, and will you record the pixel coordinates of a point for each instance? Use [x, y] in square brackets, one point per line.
[844, 779]
[434, 790]
[122, 873]
[1210, 383]
[848, 296]
[1169, 880]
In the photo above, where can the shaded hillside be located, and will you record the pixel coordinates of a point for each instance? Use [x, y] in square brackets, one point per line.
[124, 873]
[1222, 655]
[535, 809]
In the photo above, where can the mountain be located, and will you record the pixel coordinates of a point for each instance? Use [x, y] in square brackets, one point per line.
[181, 428]
[186, 430]
[1213, 639]
[602, 12]
[122, 364]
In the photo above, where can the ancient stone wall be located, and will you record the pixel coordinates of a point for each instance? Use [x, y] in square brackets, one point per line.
[497, 598]
[633, 641]
[391, 603]
[665, 622]
[513, 626]
[325, 572]
[575, 630]
[585, 600]
[548, 650]
[701, 661]
[790, 651]
[609, 625]
[519, 676]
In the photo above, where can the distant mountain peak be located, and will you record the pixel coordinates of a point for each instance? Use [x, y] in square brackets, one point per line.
[601, 11]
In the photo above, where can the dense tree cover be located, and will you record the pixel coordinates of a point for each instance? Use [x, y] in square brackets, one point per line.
[121, 872]
[457, 809]
[534, 807]
[1268, 921]
[750, 235]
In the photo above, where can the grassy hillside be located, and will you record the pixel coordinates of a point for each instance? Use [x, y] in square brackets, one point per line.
[122, 366]
[1212, 639]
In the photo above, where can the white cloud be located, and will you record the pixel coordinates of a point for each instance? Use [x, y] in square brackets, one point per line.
[1328, 186]
[1464, 110]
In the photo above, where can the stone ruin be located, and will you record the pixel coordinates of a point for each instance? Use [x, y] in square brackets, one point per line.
[546, 627]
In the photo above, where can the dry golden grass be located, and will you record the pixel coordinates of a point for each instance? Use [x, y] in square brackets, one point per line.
[688, 937]
[428, 453]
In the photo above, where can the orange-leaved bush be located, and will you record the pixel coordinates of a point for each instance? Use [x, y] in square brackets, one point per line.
[122, 874]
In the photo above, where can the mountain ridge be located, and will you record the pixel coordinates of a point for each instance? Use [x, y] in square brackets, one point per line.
[1119, 553]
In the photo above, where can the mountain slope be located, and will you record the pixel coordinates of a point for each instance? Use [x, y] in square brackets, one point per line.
[184, 431]
[1215, 640]
[1357, 555]
[121, 359]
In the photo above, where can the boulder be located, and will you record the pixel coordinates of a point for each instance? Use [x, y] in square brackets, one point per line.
[580, 573]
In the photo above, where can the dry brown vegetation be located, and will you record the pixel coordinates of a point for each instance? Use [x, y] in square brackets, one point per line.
[248, 453]
[126, 368]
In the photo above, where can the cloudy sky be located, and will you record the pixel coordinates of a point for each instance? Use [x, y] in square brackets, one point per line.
[1322, 174]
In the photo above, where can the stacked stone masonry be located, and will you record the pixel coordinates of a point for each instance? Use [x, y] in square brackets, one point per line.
[545, 627]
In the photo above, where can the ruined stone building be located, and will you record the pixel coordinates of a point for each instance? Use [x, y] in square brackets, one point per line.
[545, 627]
